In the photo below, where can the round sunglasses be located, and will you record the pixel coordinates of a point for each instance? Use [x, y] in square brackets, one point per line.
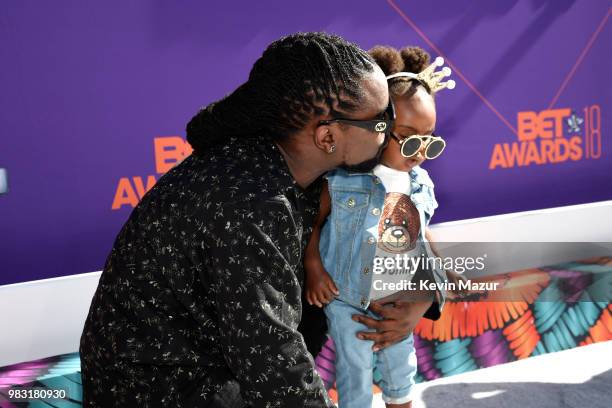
[411, 145]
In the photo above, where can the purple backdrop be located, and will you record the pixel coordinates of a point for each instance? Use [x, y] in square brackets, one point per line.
[86, 87]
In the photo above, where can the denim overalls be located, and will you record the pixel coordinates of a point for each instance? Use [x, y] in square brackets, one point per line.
[348, 247]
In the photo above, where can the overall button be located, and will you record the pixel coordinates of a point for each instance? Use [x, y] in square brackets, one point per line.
[371, 240]
[376, 180]
[366, 270]
[376, 211]
[351, 202]
[363, 302]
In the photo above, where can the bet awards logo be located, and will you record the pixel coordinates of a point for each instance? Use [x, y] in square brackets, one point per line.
[551, 136]
[169, 151]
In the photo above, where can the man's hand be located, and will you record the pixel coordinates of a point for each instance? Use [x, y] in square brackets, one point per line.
[399, 318]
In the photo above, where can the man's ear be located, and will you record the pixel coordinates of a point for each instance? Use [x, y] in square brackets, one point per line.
[325, 139]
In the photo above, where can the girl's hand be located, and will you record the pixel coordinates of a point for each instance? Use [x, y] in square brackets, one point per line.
[320, 287]
[455, 278]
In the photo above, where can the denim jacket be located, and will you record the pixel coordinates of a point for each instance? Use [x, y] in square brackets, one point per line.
[347, 244]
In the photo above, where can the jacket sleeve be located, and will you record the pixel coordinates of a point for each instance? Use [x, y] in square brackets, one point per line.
[254, 251]
[435, 310]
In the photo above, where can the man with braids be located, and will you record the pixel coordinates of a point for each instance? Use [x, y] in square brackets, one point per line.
[368, 218]
[200, 298]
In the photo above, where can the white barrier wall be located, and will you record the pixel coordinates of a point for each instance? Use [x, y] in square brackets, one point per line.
[578, 232]
[45, 318]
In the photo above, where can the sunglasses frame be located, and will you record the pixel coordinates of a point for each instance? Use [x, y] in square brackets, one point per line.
[374, 125]
[422, 139]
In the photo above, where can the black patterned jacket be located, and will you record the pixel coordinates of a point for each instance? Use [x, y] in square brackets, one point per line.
[200, 298]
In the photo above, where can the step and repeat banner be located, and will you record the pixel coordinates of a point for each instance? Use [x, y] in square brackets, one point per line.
[95, 97]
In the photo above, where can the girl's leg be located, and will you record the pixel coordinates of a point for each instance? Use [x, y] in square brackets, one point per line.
[398, 366]
[354, 357]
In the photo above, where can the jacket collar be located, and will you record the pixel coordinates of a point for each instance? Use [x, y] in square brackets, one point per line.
[421, 176]
[417, 174]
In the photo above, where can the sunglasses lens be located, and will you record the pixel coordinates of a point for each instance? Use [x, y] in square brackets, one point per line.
[434, 149]
[411, 146]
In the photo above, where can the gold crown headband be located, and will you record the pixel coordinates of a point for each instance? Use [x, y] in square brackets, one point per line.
[429, 77]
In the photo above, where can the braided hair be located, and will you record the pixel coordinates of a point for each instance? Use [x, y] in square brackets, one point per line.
[408, 59]
[297, 77]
